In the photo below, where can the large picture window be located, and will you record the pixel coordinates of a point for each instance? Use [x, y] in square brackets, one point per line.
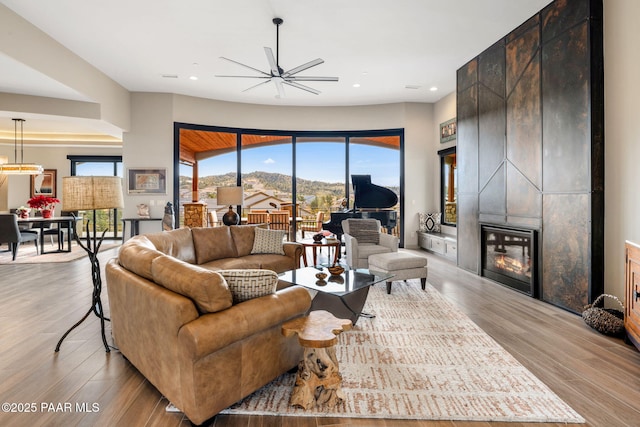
[305, 173]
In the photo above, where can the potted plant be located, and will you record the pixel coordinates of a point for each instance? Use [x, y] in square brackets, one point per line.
[44, 204]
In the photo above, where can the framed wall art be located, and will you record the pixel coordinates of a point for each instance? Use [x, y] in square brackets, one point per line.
[448, 131]
[147, 181]
[44, 184]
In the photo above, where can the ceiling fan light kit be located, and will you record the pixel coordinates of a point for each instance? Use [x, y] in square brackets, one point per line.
[277, 75]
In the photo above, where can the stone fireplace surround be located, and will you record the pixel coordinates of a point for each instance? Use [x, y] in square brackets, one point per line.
[530, 145]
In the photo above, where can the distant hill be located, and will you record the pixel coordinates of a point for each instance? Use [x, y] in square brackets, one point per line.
[257, 181]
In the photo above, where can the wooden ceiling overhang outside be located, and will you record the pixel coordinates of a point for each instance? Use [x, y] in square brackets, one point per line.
[197, 145]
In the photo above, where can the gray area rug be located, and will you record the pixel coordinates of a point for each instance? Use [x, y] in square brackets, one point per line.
[421, 358]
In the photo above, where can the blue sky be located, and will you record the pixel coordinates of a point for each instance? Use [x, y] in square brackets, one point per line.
[316, 161]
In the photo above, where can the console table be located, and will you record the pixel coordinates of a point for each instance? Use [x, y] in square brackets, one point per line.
[135, 225]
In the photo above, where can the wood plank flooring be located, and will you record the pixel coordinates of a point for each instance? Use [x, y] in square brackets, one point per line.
[596, 375]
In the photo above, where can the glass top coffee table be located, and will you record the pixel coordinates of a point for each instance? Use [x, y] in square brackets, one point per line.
[342, 295]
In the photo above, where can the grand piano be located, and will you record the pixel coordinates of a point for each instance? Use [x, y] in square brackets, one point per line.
[370, 201]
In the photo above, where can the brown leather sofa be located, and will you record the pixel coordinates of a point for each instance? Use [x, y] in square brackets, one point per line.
[175, 321]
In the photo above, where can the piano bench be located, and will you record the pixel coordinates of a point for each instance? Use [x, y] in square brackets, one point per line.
[402, 265]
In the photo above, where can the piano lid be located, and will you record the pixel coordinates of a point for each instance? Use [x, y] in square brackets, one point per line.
[371, 196]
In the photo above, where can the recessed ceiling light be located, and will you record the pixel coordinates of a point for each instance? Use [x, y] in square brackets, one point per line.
[193, 78]
[356, 85]
[433, 88]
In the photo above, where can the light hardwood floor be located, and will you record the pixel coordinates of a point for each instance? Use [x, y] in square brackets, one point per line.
[596, 375]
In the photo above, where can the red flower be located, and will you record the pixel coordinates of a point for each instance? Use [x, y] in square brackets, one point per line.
[42, 202]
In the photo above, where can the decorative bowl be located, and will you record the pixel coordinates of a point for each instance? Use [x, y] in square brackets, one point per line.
[336, 270]
[321, 276]
[317, 237]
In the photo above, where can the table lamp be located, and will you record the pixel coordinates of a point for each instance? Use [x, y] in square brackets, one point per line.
[83, 193]
[230, 196]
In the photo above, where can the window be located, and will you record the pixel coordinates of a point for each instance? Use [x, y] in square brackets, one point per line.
[306, 171]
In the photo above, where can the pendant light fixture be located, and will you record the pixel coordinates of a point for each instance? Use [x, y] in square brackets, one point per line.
[19, 168]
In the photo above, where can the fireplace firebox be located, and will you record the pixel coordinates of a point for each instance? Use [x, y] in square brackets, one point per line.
[510, 256]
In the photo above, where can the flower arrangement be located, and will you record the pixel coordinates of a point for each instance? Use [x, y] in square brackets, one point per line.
[43, 203]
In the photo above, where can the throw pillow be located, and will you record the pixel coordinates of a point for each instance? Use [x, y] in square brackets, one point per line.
[268, 242]
[430, 222]
[206, 288]
[364, 230]
[248, 284]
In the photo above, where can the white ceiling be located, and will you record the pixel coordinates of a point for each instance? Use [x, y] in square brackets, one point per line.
[384, 46]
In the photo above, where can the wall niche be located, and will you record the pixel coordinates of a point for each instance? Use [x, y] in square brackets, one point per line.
[530, 147]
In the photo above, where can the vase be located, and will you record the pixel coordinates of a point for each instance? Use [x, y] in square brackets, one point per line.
[24, 214]
[47, 213]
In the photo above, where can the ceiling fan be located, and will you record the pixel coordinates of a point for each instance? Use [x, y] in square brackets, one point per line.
[280, 77]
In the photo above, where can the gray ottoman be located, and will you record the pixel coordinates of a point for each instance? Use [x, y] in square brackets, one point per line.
[402, 265]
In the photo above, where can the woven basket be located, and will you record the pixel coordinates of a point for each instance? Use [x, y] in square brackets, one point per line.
[607, 321]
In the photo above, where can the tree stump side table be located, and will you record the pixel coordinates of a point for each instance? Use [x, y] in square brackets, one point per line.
[318, 381]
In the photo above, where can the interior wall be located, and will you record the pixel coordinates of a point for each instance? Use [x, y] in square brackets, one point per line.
[622, 146]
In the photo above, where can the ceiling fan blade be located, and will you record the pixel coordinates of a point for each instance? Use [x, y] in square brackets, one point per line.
[245, 77]
[278, 81]
[272, 62]
[259, 84]
[311, 79]
[303, 87]
[246, 66]
[303, 67]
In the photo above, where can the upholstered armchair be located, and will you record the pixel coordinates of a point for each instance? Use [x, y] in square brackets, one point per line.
[362, 237]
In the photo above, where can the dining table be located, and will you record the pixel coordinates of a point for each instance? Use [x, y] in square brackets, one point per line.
[42, 223]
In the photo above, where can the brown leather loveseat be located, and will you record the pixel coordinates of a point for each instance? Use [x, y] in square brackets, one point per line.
[205, 338]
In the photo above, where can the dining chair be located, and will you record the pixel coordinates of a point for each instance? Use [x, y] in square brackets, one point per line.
[11, 234]
[312, 225]
[257, 218]
[279, 220]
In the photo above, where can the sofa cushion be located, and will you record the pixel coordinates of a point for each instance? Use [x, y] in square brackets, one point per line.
[248, 284]
[207, 289]
[268, 241]
[137, 254]
[243, 236]
[176, 243]
[234, 263]
[365, 231]
[212, 243]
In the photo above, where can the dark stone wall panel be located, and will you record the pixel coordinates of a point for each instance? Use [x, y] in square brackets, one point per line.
[520, 52]
[492, 197]
[562, 14]
[523, 198]
[467, 75]
[468, 233]
[491, 68]
[467, 140]
[491, 151]
[565, 250]
[565, 104]
[524, 124]
[532, 22]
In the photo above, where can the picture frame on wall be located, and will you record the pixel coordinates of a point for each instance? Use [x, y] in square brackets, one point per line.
[147, 181]
[448, 131]
[44, 184]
